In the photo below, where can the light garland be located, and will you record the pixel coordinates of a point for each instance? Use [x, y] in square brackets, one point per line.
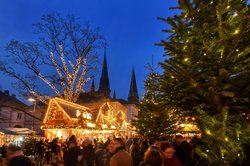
[186, 59]
[236, 31]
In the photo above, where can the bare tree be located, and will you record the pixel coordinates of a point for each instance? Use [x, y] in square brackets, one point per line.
[64, 57]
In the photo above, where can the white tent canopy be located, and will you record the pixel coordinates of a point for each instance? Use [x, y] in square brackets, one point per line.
[15, 131]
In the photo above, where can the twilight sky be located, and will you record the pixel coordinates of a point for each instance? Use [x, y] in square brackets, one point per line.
[130, 27]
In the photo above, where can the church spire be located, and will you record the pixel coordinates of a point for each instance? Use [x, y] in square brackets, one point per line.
[133, 93]
[104, 86]
[114, 95]
[92, 86]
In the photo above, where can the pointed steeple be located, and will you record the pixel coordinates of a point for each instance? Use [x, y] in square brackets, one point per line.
[114, 95]
[104, 86]
[92, 86]
[133, 93]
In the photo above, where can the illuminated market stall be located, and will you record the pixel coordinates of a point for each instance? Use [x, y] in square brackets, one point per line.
[1, 139]
[63, 119]
[14, 135]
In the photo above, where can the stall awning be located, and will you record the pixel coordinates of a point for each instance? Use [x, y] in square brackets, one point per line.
[15, 131]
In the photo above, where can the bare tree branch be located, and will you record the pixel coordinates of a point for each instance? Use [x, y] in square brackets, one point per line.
[64, 59]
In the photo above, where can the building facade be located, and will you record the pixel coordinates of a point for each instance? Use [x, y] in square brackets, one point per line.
[12, 111]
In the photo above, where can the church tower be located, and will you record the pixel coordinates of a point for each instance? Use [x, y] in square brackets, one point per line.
[133, 93]
[104, 86]
[114, 95]
[92, 86]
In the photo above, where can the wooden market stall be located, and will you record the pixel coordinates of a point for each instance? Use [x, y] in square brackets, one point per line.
[63, 119]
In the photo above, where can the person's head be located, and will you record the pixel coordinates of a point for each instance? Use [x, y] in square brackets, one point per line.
[153, 157]
[100, 146]
[167, 150]
[115, 144]
[71, 144]
[13, 150]
[179, 138]
[135, 140]
[73, 137]
[154, 147]
[86, 142]
[41, 140]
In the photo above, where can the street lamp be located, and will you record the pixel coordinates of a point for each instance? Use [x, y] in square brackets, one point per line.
[34, 110]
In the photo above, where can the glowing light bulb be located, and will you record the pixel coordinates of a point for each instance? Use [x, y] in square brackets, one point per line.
[208, 132]
[236, 31]
[186, 59]
[228, 6]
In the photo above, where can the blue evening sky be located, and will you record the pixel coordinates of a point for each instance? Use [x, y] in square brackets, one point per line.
[130, 27]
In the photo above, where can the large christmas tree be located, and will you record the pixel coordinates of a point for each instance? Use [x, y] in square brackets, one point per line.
[206, 73]
[154, 121]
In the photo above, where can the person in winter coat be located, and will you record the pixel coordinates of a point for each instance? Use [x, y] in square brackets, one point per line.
[16, 157]
[134, 151]
[169, 159]
[87, 153]
[119, 155]
[183, 150]
[101, 156]
[39, 150]
[144, 147]
[71, 154]
[99, 153]
[152, 157]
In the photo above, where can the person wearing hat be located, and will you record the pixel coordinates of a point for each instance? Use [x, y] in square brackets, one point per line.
[16, 157]
[119, 155]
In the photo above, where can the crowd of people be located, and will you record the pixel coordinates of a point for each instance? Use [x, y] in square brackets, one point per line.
[115, 151]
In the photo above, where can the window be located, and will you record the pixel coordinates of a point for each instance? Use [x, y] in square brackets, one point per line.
[17, 126]
[19, 115]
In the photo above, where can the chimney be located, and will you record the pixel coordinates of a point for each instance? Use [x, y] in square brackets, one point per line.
[7, 92]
